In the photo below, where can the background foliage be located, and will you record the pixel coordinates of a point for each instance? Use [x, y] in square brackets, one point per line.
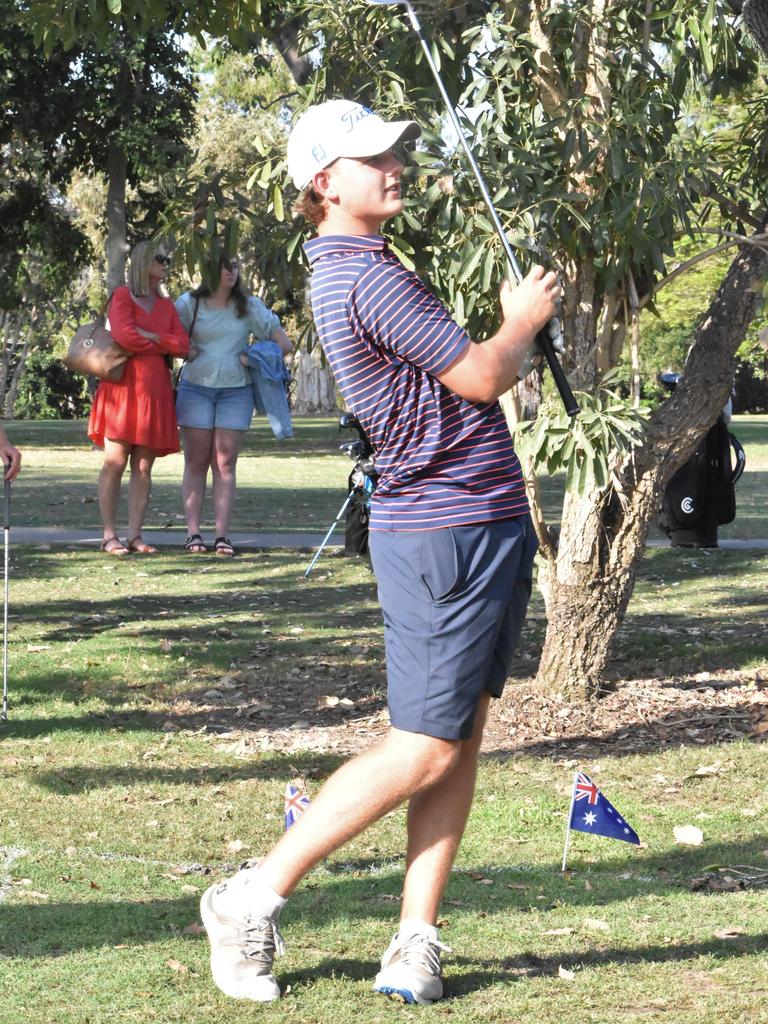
[617, 166]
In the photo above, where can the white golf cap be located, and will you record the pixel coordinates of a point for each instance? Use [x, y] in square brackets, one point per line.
[340, 128]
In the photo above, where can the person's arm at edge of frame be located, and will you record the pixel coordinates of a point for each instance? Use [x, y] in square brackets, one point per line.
[485, 370]
[266, 326]
[279, 336]
[9, 453]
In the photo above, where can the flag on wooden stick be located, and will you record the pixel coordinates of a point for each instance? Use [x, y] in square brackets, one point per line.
[591, 812]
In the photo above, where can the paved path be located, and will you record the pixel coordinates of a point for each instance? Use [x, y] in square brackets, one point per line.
[171, 538]
[255, 540]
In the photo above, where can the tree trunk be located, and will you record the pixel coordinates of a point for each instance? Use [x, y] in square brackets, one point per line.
[17, 354]
[285, 38]
[14, 357]
[18, 370]
[315, 391]
[117, 246]
[5, 321]
[529, 394]
[588, 581]
[580, 316]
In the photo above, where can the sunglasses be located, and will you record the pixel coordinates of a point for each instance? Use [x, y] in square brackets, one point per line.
[165, 260]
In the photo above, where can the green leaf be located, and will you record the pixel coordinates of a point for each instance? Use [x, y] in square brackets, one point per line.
[277, 200]
[489, 270]
[402, 256]
[470, 265]
[231, 238]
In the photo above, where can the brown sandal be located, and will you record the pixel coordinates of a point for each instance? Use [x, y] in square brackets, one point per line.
[141, 547]
[114, 546]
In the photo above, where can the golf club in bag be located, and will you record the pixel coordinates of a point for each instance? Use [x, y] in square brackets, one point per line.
[6, 530]
[362, 483]
[550, 336]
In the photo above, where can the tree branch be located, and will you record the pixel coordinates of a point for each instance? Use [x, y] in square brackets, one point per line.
[760, 241]
[677, 426]
[647, 28]
[554, 95]
[726, 204]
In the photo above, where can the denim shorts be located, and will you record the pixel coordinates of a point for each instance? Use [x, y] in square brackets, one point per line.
[454, 602]
[207, 408]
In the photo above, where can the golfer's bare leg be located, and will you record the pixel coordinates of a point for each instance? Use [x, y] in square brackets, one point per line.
[355, 796]
[436, 820]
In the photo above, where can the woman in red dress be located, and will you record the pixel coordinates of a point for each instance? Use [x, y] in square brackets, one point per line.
[135, 420]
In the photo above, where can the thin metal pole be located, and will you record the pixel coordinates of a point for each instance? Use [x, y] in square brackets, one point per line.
[568, 823]
[327, 537]
[6, 529]
[551, 334]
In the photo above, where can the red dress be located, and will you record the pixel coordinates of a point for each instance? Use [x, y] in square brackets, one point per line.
[139, 409]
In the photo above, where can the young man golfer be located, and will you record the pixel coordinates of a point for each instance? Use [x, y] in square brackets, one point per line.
[451, 543]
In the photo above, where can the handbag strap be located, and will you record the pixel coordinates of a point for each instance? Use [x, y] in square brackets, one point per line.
[191, 328]
[102, 314]
[194, 316]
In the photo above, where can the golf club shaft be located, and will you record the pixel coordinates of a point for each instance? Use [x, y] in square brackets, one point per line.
[6, 528]
[550, 333]
[327, 537]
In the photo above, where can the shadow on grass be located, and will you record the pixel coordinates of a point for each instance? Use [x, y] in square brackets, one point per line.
[58, 504]
[226, 624]
[484, 973]
[311, 434]
[73, 780]
[527, 965]
[60, 928]
[720, 636]
[732, 723]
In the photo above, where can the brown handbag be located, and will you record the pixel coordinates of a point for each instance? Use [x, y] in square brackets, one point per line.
[94, 351]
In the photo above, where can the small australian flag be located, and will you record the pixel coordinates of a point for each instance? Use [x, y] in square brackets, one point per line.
[591, 812]
[295, 805]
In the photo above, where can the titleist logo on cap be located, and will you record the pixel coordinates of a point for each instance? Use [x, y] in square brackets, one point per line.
[354, 116]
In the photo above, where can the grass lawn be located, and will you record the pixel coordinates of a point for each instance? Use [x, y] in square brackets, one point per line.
[294, 486]
[160, 706]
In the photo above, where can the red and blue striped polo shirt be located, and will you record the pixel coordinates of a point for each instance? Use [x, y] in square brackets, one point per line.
[443, 461]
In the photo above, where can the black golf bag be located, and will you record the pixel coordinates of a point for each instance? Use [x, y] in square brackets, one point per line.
[358, 516]
[360, 487]
[701, 495]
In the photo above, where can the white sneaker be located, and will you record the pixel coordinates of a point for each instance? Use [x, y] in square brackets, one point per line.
[411, 970]
[243, 947]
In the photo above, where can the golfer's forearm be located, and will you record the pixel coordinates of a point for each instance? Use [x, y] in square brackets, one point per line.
[506, 352]
[489, 368]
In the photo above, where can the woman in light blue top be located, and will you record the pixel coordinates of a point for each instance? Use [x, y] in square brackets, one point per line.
[214, 403]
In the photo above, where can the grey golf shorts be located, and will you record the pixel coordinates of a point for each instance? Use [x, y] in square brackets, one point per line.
[454, 602]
